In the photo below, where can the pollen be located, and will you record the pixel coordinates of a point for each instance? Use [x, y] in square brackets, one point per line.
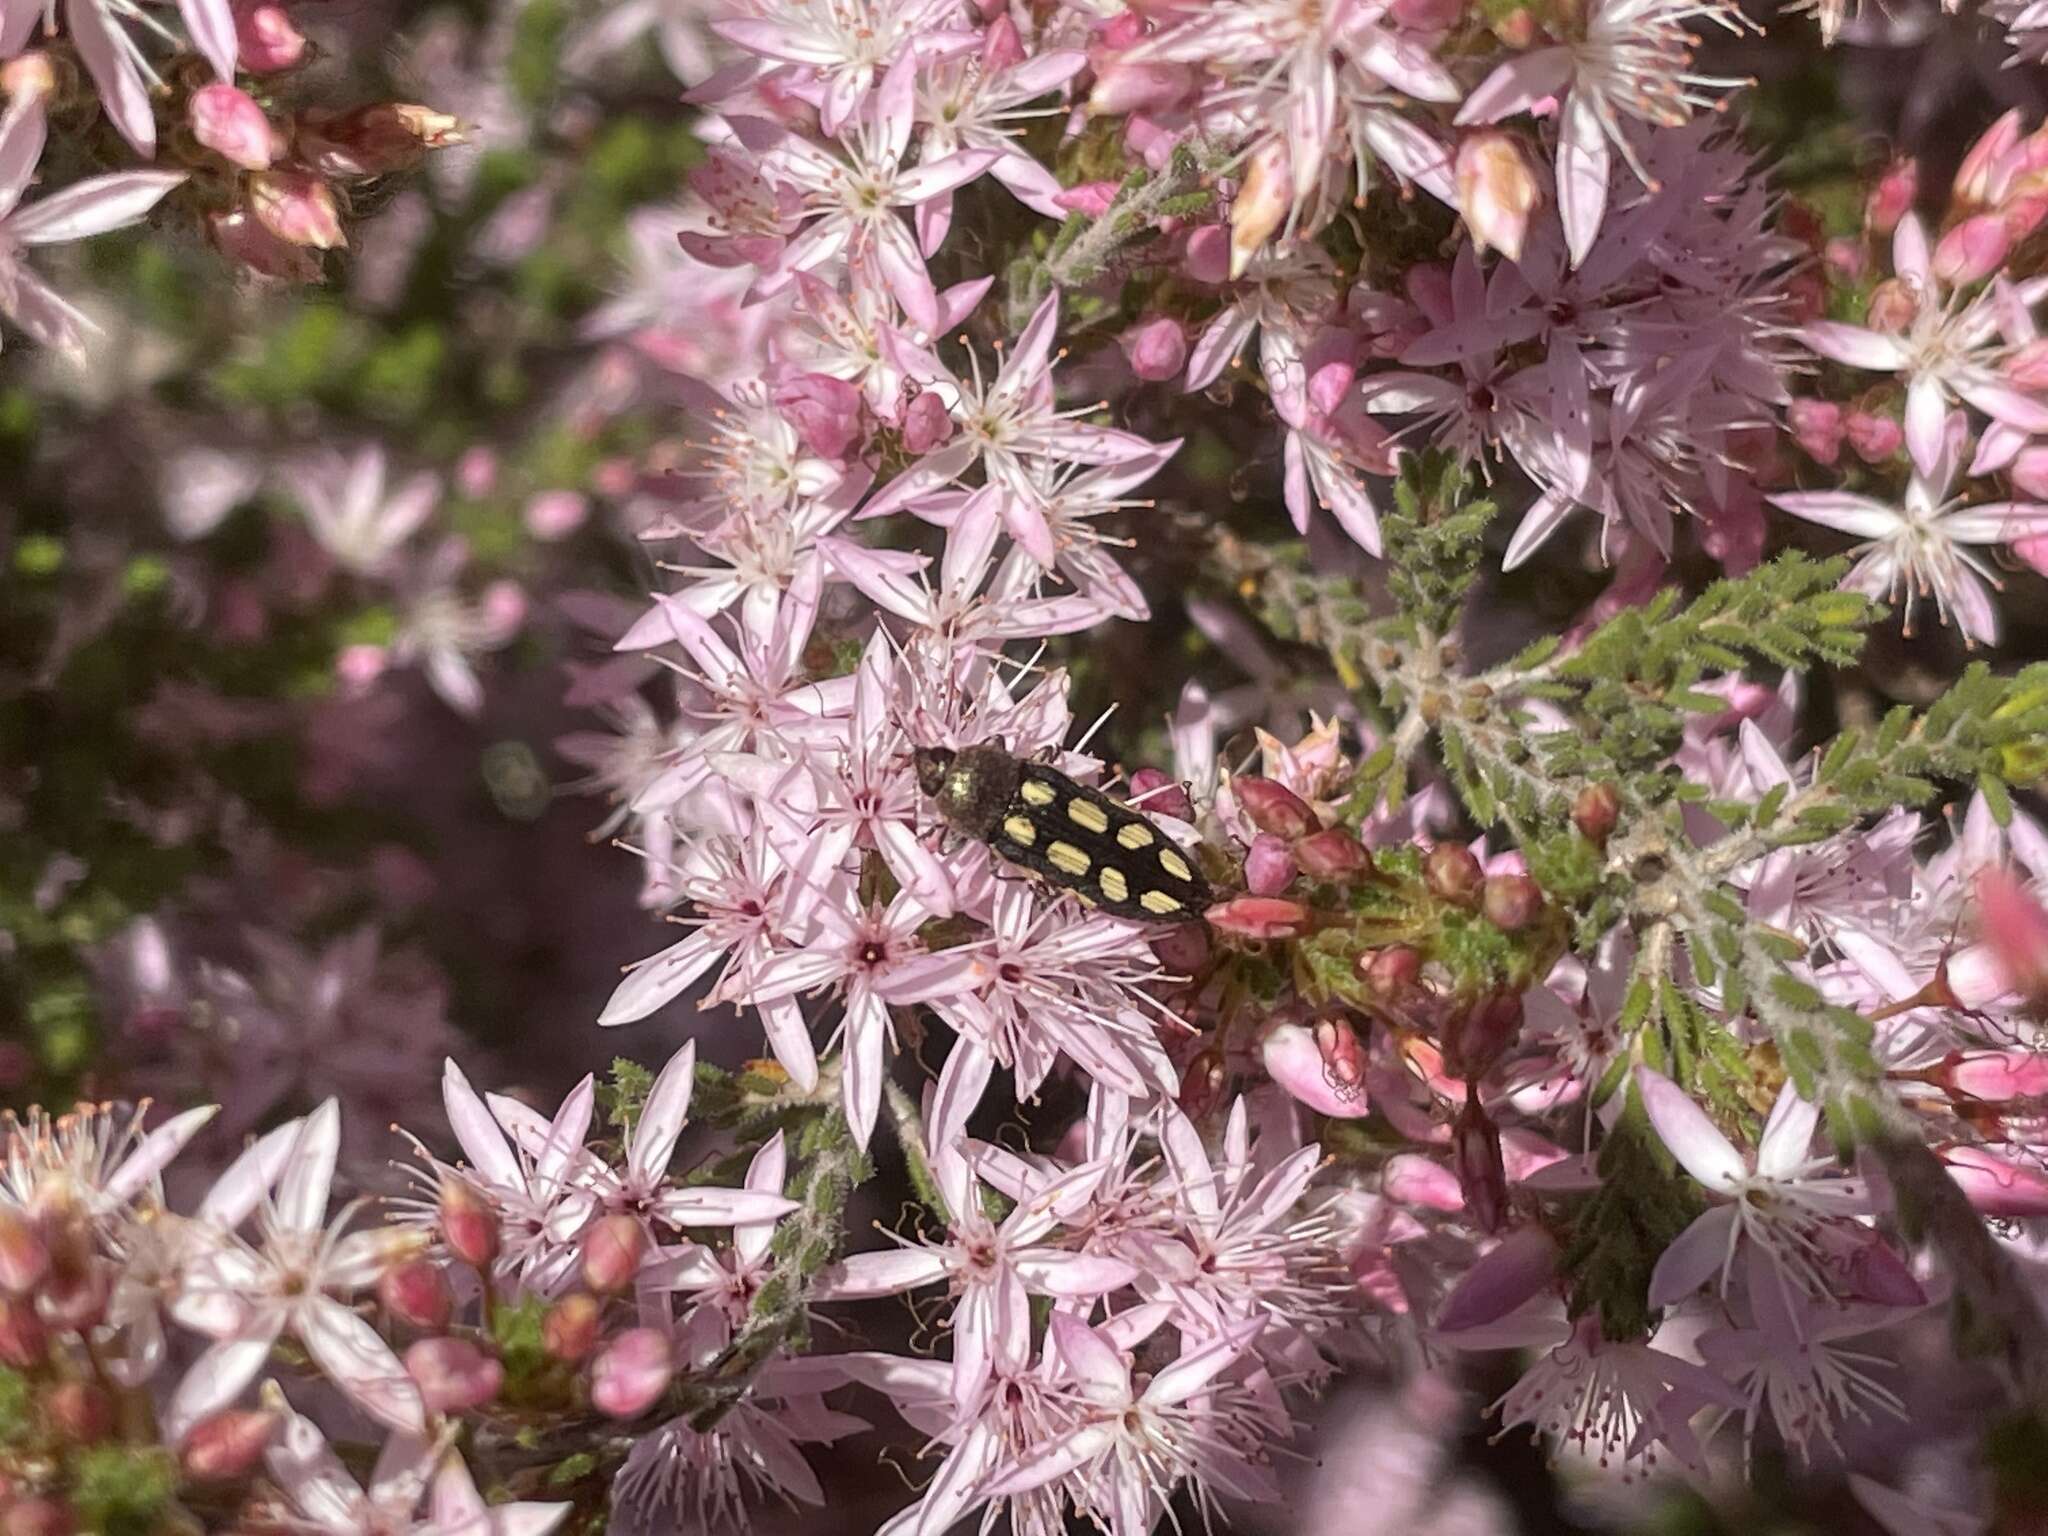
[1035, 793]
[1134, 835]
[1086, 813]
[1114, 885]
[1066, 858]
[1175, 865]
[1020, 830]
[1158, 903]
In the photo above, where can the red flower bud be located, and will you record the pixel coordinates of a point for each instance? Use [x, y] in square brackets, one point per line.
[1510, 902]
[228, 1444]
[417, 1292]
[1259, 917]
[375, 140]
[1158, 794]
[612, 1251]
[1333, 854]
[569, 1330]
[1453, 874]
[265, 39]
[1391, 971]
[37, 1517]
[1875, 438]
[1273, 807]
[1202, 1085]
[233, 126]
[297, 208]
[1476, 1039]
[468, 1224]
[1595, 810]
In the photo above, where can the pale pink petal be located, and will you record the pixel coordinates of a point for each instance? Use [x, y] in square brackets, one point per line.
[302, 1188]
[1197, 1367]
[1788, 1135]
[1849, 513]
[216, 1379]
[698, 1205]
[139, 1169]
[211, 24]
[1582, 169]
[886, 1273]
[1695, 1256]
[1054, 1272]
[23, 131]
[240, 1189]
[357, 1360]
[1855, 346]
[1692, 1138]
[123, 93]
[1517, 86]
[92, 207]
[661, 1117]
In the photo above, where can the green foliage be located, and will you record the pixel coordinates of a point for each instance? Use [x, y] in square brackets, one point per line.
[122, 1490]
[1434, 540]
[624, 1094]
[1620, 1230]
[17, 1408]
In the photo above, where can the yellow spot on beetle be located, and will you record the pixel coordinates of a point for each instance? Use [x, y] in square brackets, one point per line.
[1035, 793]
[1087, 813]
[1134, 834]
[1158, 903]
[1019, 830]
[1114, 885]
[1175, 865]
[1066, 858]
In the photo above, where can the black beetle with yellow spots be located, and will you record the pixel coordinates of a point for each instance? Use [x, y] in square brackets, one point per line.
[1110, 856]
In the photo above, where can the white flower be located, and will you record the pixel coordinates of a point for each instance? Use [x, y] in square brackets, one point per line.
[1782, 1203]
[356, 517]
[247, 1296]
[1919, 549]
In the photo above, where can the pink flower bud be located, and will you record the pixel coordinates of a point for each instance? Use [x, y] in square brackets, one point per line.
[1996, 1187]
[229, 123]
[468, 1225]
[1846, 258]
[1159, 794]
[1259, 917]
[1893, 195]
[569, 1330]
[1268, 865]
[1973, 250]
[1453, 874]
[1123, 86]
[24, 1256]
[80, 1411]
[1207, 257]
[1513, 1271]
[1510, 902]
[265, 39]
[1976, 177]
[1157, 349]
[503, 608]
[453, 1375]
[1482, 1176]
[241, 238]
[2016, 928]
[23, 1339]
[1875, 438]
[630, 1375]
[1892, 307]
[1261, 203]
[1496, 191]
[228, 1444]
[2023, 215]
[356, 667]
[297, 208]
[1090, 197]
[926, 423]
[1333, 854]
[1323, 1069]
[417, 1293]
[1817, 427]
[612, 1252]
[1272, 807]
[554, 515]
[476, 472]
[1595, 812]
[825, 412]
[1391, 971]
